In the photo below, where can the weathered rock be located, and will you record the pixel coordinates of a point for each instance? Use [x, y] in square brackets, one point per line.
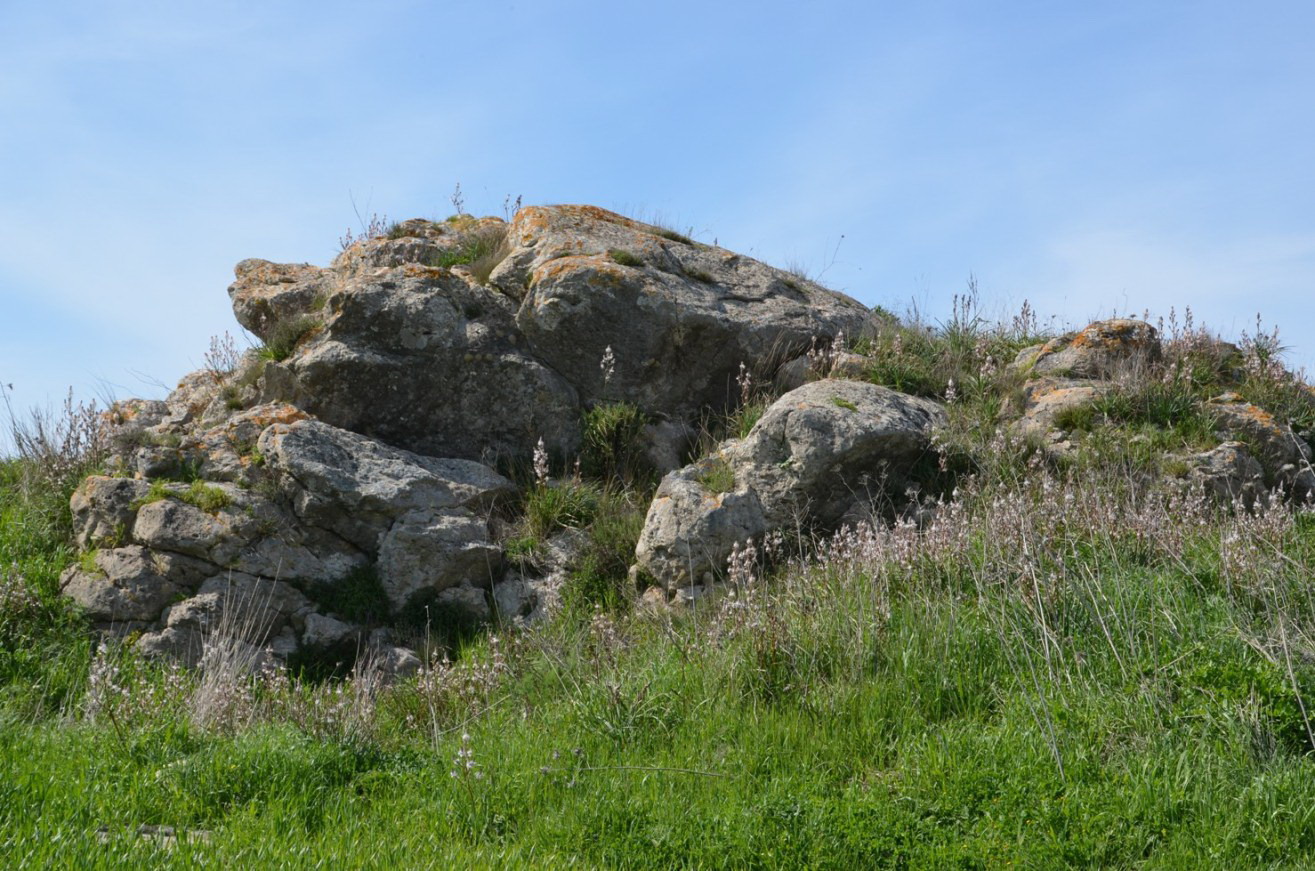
[1046, 400]
[431, 551]
[690, 528]
[131, 583]
[1274, 443]
[1104, 349]
[240, 606]
[423, 358]
[357, 487]
[680, 317]
[266, 294]
[465, 599]
[324, 631]
[104, 510]
[667, 443]
[394, 661]
[1228, 474]
[806, 460]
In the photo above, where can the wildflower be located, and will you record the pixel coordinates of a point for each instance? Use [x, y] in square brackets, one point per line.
[540, 463]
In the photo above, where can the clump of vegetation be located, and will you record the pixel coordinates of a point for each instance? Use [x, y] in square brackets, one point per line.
[612, 443]
[482, 249]
[600, 577]
[622, 257]
[358, 597]
[285, 335]
[841, 402]
[716, 475]
[562, 504]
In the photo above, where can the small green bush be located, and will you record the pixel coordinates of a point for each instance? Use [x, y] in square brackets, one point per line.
[206, 497]
[612, 449]
[841, 402]
[716, 475]
[481, 249]
[285, 335]
[668, 233]
[601, 577]
[560, 505]
[358, 597]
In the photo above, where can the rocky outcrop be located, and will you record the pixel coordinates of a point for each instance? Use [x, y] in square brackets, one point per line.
[814, 453]
[432, 359]
[352, 448]
[178, 560]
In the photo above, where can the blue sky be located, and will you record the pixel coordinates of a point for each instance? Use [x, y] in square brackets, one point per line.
[1090, 158]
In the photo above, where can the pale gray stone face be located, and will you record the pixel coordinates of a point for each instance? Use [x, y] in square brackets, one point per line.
[812, 454]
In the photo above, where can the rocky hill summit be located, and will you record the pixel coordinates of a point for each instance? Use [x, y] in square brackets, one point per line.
[474, 419]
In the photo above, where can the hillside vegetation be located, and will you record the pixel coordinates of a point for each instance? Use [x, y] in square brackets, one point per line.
[1060, 658]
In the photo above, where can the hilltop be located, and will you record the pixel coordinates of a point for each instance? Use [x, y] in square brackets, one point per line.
[581, 514]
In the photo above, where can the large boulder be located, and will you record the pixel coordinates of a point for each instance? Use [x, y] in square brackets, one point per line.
[814, 454]
[1104, 349]
[426, 359]
[357, 487]
[679, 317]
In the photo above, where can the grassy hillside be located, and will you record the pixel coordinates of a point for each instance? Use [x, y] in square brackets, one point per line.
[1070, 665]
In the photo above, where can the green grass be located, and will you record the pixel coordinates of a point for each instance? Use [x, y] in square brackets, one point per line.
[716, 475]
[558, 505]
[1065, 670]
[612, 448]
[945, 735]
[285, 335]
[841, 402]
[624, 258]
[480, 249]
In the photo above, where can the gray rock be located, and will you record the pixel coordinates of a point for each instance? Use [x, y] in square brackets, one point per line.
[241, 607]
[1045, 400]
[1104, 349]
[806, 460]
[104, 509]
[183, 645]
[429, 551]
[266, 294]
[324, 631]
[1228, 474]
[667, 443]
[524, 601]
[467, 599]
[1274, 443]
[131, 583]
[680, 317]
[396, 661]
[425, 359]
[357, 487]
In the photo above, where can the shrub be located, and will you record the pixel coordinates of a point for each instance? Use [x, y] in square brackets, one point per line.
[555, 505]
[716, 475]
[358, 597]
[601, 577]
[285, 335]
[612, 447]
[481, 249]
